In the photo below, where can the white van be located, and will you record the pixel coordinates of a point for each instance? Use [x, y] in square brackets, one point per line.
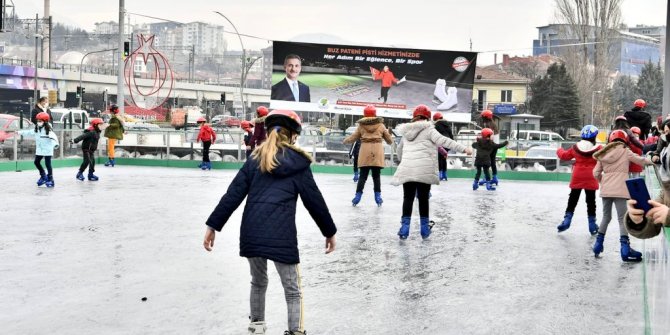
[536, 135]
[61, 117]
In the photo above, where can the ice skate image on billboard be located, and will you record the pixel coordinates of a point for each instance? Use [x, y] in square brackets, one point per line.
[343, 79]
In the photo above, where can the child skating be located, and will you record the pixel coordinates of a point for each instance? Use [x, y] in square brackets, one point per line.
[442, 126]
[484, 159]
[271, 181]
[487, 121]
[247, 129]
[89, 145]
[114, 132]
[259, 127]
[582, 177]
[612, 171]
[370, 131]
[207, 135]
[45, 143]
[417, 170]
[635, 170]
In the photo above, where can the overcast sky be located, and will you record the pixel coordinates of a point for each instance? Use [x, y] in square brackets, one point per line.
[508, 25]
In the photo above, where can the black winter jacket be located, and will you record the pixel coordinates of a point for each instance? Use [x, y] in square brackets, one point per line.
[444, 129]
[268, 223]
[90, 139]
[640, 119]
[355, 149]
[484, 150]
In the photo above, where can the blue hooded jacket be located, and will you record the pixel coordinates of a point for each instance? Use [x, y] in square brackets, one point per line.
[268, 223]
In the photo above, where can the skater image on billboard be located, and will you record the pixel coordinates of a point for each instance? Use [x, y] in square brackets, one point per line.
[290, 89]
[344, 79]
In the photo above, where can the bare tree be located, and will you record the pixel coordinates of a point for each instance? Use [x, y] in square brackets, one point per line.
[593, 24]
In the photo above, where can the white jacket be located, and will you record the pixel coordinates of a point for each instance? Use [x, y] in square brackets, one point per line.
[418, 153]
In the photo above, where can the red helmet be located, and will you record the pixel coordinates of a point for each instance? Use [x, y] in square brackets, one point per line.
[245, 125]
[262, 111]
[96, 121]
[487, 114]
[640, 103]
[201, 119]
[42, 116]
[618, 135]
[422, 111]
[284, 118]
[487, 132]
[370, 111]
[437, 116]
[114, 109]
[636, 130]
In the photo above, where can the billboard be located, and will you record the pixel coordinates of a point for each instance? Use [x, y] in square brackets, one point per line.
[343, 79]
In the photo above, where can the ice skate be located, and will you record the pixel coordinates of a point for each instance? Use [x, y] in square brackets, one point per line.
[357, 198]
[567, 219]
[490, 186]
[356, 177]
[50, 182]
[426, 227]
[475, 185]
[598, 247]
[257, 328]
[404, 227]
[378, 198]
[593, 227]
[43, 179]
[92, 177]
[110, 162]
[494, 180]
[80, 176]
[629, 254]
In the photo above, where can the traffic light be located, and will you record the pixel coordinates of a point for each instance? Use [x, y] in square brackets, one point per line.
[223, 98]
[83, 90]
[126, 49]
[78, 92]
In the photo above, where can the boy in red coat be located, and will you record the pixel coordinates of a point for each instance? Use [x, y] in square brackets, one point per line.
[207, 136]
[634, 170]
[582, 177]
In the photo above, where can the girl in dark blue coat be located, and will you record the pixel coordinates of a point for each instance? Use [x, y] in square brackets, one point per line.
[271, 181]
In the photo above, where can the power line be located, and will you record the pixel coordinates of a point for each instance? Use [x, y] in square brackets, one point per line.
[550, 46]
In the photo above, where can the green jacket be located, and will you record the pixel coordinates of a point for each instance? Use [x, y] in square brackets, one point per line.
[115, 129]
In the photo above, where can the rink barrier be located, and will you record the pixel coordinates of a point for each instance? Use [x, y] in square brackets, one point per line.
[23, 165]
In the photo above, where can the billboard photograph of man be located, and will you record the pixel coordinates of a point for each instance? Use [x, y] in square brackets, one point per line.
[290, 89]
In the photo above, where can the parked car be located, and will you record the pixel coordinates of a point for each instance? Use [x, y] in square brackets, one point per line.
[227, 121]
[7, 137]
[310, 136]
[544, 155]
[61, 118]
[333, 139]
[217, 118]
[11, 122]
[527, 139]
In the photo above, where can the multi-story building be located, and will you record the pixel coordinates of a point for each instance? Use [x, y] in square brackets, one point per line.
[107, 27]
[628, 51]
[657, 32]
[207, 39]
[266, 77]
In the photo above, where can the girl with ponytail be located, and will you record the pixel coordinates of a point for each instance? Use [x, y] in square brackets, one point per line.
[271, 180]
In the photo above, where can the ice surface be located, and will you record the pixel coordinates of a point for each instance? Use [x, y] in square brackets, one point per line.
[77, 259]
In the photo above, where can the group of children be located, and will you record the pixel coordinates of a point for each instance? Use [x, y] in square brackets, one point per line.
[46, 141]
[606, 168]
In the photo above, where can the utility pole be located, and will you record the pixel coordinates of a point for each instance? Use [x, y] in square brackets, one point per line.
[120, 99]
[47, 15]
[36, 37]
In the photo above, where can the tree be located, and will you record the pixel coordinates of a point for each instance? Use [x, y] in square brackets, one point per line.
[650, 88]
[623, 93]
[555, 97]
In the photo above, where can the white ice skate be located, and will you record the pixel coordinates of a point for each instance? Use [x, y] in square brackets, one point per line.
[447, 96]
[257, 328]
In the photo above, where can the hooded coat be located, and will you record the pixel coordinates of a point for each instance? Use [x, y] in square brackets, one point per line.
[640, 119]
[418, 161]
[44, 143]
[612, 169]
[485, 148]
[89, 139]
[582, 171]
[268, 223]
[115, 129]
[370, 131]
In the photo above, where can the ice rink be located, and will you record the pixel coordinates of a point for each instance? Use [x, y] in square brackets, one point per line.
[79, 258]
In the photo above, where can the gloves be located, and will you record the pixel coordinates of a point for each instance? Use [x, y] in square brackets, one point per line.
[71, 141]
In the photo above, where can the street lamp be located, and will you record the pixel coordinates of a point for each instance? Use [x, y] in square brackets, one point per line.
[244, 57]
[37, 36]
[593, 96]
[81, 65]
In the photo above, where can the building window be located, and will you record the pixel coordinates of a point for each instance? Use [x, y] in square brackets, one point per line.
[481, 100]
[506, 96]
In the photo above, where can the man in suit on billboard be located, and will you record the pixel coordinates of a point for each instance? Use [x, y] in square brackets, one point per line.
[290, 89]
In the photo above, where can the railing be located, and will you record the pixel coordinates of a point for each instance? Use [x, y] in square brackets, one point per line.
[169, 144]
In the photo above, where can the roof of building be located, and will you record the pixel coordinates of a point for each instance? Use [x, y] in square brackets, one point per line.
[493, 73]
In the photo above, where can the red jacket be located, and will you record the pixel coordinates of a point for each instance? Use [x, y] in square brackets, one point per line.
[632, 167]
[582, 171]
[206, 134]
[387, 78]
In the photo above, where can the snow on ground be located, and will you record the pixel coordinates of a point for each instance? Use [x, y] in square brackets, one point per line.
[77, 259]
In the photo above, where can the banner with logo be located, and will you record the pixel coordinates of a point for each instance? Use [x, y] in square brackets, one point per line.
[343, 79]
